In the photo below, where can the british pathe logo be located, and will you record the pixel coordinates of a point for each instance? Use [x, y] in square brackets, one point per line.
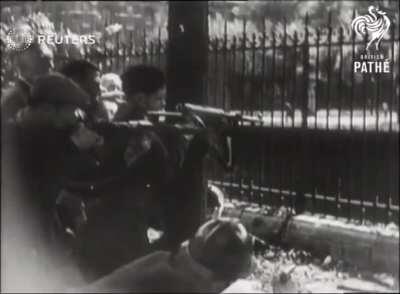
[372, 27]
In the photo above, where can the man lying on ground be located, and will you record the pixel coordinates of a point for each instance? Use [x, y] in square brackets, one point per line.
[218, 254]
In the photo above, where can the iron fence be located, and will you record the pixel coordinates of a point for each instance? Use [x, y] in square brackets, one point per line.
[328, 140]
[304, 79]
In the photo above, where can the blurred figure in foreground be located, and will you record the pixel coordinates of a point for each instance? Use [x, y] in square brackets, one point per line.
[31, 63]
[218, 254]
[38, 145]
[30, 59]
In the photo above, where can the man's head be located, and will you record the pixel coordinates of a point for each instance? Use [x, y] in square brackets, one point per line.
[85, 74]
[223, 246]
[56, 89]
[145, 87]
[56, 102]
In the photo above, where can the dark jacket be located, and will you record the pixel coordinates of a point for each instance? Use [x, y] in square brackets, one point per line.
[157, 272]
[132, 170]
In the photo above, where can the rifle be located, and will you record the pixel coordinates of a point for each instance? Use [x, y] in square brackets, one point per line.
[206, 112]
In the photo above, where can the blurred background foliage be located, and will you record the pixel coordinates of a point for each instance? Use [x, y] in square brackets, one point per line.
[137, 16]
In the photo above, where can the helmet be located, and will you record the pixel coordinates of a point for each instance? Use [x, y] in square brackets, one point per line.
[223, 246]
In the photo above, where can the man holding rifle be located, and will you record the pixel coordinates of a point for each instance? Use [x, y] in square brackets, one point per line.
[145, 90]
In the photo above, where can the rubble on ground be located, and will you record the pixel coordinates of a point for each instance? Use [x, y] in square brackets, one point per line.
[296, 271]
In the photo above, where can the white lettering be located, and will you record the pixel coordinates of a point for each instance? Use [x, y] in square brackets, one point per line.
[386, 67]
[364, 67]
[76, 40]
[58, 40]
[357, 66]
[371, 66]
[67, 39]
[52, 39]
[91, 40]
[41, 39]
[82, 39]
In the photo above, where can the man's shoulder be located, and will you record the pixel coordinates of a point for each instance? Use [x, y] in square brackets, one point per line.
[136, 275]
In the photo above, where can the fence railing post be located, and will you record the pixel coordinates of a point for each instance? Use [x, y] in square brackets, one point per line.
[215, 71]
[233, 50]
[144, 48]
[263, 97]
[318, 92]
[353, 56]
[340, 78]
[224, 62]
[329, 69]
[243, 69]
[306, 56]
[273, 76]
[151, 52]
[294, 80]
[159, 48]
[392, 82]
[284, 84]
[130, 48]
[253, 74]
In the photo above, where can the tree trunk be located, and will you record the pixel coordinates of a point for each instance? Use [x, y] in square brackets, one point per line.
[187, 54]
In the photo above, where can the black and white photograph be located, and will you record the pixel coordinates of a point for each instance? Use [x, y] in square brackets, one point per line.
[200, 146]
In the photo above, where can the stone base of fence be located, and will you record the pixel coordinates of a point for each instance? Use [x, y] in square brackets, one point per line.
[367, 248]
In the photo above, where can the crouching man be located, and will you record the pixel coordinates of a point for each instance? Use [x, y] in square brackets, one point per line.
[218, 254]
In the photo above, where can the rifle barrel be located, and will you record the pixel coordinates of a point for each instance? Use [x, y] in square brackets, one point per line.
[212, 111]
[206, 111]
[165, 113]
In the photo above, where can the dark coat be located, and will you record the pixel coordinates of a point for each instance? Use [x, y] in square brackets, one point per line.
[157, 272]
[218, 254]
[132, 168]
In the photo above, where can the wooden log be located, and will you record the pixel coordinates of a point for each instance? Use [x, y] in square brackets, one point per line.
[358, 285]
[358, 245]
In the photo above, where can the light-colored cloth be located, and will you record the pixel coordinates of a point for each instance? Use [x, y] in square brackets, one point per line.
[110, 82]
[244, 286]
